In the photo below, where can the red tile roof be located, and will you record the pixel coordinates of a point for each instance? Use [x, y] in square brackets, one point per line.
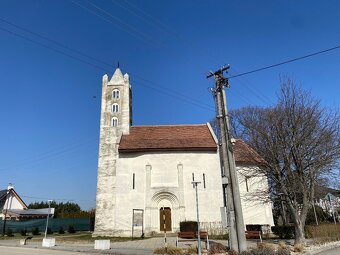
[246, 155]
[182, 138]
[165, 138]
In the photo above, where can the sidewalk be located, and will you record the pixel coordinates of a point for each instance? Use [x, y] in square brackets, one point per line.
[138, 247]
[147, 246]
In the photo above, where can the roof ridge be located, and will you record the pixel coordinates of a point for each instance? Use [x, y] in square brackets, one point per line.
[169, 125]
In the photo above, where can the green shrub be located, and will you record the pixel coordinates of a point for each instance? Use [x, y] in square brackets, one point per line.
[61, 230]
[49, 231]
[23, 232]
[320, 213]
[9, 232]
[71, 229]
[188, 226]
[35, 231]
[284, 232]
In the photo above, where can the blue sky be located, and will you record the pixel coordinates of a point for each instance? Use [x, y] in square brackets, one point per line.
[50, 118]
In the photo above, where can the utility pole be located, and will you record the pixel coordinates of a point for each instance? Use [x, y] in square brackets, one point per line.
[48, 216]
[198, 220]
[237, 239]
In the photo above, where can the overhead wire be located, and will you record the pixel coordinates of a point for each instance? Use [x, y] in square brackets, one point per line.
[254, 92]
[50, 48]
[151, 41]
[258, 94]
[53, 41]
[159, 89]
[156, 23]
[44, 156]
[127, 28]
[285, 62]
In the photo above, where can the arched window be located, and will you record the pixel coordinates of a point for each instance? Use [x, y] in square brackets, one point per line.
[115, 108]
[115, 94]
[114, 122]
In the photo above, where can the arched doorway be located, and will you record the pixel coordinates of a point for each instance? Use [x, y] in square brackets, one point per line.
[165, 219]
[168, 201]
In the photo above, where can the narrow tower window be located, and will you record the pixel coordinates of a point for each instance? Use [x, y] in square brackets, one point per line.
[247, 184]
[115, 108]
[193, 179]
[115, 94]
[133, 181]
[204, 180]
[114, 122]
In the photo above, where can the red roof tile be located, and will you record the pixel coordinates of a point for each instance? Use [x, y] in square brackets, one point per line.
[246, 155]
[182, 138]
[161, 138]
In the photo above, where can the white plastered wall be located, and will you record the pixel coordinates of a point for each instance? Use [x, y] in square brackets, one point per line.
[256, 208]
[164, 179]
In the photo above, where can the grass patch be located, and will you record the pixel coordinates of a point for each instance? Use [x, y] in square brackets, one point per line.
[219, 237]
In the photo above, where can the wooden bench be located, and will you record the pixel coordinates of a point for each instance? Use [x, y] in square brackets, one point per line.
[192, 236]
[254, 234]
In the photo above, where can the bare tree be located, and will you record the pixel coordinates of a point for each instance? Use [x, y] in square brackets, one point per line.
[299, 140]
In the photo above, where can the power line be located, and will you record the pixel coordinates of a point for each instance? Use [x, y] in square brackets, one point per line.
[145, 38]
[257, 93]
[127, 28]
[53, 41]
[51, 48]
[157, 23]
[174, 94]
[285, 62]
[47, 155]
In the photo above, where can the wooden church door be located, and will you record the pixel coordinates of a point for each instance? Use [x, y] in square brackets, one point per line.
[165, 218]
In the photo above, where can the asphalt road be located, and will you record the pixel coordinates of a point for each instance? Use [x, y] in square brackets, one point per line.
[330, 252]
[29, 251]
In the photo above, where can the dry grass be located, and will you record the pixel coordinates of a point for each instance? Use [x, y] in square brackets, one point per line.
[217, 248]
[323, 233]
[263, 249]
[170, 250]
[282, 245]
[298, 248]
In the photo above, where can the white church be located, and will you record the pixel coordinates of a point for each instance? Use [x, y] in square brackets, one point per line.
[146, 171]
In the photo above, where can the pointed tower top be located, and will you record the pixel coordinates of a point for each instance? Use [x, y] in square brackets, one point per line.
[118, 65]
[117, 78]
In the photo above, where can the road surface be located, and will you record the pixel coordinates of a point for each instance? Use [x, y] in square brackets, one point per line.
[32, 251]
[335, 251]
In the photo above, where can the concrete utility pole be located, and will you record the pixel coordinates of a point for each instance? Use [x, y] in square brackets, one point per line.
[237, 239]
[48, 216]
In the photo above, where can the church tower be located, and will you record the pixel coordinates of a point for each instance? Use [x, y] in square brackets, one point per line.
[115, 120]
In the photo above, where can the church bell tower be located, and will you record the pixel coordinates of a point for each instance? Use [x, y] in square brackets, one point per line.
[115, 120]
